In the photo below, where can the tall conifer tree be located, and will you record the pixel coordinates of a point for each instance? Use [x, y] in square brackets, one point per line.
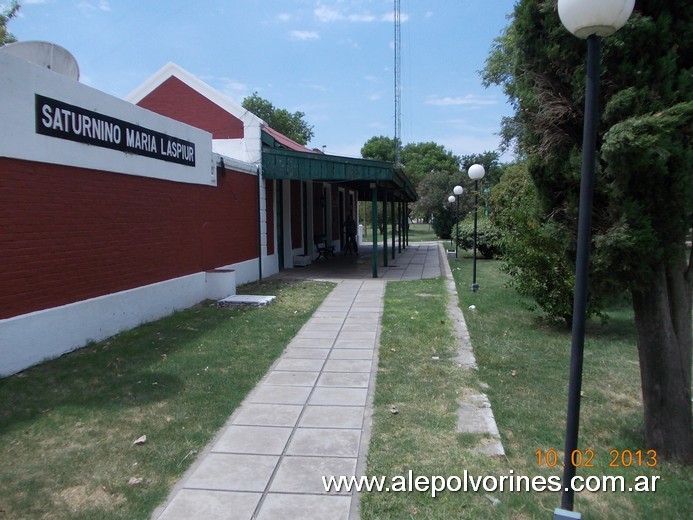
[643, 208]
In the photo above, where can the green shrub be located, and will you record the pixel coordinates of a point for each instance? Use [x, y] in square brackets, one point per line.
[488, 241]
[442, 222]
[537, 251]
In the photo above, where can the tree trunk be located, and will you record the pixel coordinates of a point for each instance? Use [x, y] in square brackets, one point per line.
[663, 325]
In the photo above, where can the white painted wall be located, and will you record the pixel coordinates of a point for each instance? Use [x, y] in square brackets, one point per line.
[31, 338]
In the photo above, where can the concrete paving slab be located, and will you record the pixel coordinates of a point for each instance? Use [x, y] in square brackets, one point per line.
[306, 353]
[356, 326]
[339, 396]
[271, 394]
[258, 440]
[304, 474]
[311, 343]
[332, 417]
[286, 378]
[318, 334]
[317, 320]
[231, 472]
[268, 414]
[351, 353]
[323, 313]
[354, 343]
[335, 327]
[349, 379]
[299, 365]
[246, 300]
[305, 507]
[325, 442]
[348, 365]
[363, 321]
[211, 505]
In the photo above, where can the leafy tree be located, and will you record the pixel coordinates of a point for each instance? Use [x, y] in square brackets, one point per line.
[380, 148]
[533, 244]
[643, 204]
[436, 186]
[291, 125]
[433, 205]
[420, 159]
[489, 160]
[5, 16]
[434, 171]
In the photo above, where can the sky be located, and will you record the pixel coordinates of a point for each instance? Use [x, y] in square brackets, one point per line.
[333, 60]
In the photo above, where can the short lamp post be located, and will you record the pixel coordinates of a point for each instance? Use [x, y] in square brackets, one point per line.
[591, 20]
[457, 190]
[476, 172]
[452, 199]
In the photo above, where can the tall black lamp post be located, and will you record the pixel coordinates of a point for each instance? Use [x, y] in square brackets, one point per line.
[591, 20]
[457, 190]
[476, 172]
[451, 200]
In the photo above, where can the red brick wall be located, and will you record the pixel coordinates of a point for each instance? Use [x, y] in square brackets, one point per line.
[67, 234]
[175, 99]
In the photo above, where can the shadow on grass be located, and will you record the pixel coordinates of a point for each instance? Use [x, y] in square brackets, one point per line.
[131, 369]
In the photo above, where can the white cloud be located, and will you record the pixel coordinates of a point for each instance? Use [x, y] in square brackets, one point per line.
[469, 101]
[304, 35]
[326, 14]
[101, 5]
[232, 88]
[390, 17]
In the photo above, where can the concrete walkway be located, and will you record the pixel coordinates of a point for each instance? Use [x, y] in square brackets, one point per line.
[305, 419]
[311, 414]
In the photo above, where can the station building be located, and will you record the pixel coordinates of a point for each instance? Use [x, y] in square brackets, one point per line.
[115, 212]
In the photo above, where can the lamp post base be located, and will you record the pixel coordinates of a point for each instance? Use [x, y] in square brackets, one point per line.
[564, 514]
[475, 287]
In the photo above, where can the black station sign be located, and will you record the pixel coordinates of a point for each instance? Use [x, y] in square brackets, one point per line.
[64, 121]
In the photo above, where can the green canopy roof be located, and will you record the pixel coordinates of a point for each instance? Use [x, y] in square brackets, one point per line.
[283, 163]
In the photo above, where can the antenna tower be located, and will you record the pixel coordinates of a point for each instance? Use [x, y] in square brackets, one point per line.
[398, 83]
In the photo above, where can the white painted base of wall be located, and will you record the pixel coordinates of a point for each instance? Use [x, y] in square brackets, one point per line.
[31, 338]
[249, 271]
[302, 260]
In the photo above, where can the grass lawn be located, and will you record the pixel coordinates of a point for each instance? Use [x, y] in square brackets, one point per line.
[421, 233]
[417, 233]
[523, 368]
[67, 426]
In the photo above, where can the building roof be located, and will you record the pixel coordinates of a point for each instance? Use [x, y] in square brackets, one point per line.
[281, 157]
[360, 174]
[275, 139]
[176, 71]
